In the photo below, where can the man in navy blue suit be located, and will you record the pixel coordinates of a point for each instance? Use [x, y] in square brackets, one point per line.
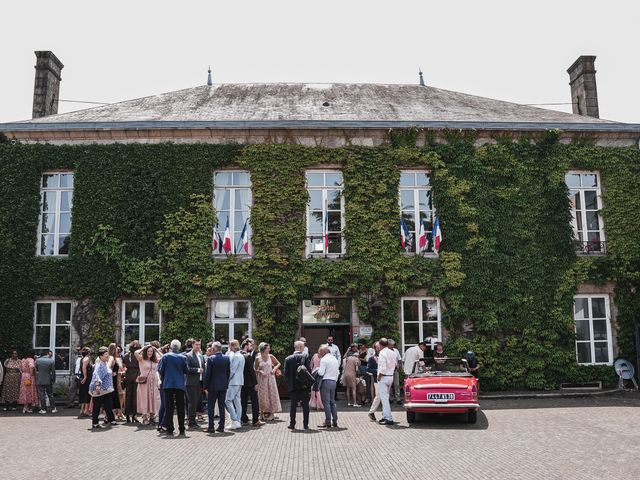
[173, 369]
[216, 383]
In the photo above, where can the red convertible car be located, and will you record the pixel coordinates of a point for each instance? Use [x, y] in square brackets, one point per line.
[441, 385]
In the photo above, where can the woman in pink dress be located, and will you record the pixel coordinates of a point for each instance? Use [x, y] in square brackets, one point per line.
[315, 402]
[148, 358]
[28, 390]
[266, 366]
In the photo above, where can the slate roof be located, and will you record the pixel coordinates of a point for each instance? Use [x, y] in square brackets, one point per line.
[291, 102]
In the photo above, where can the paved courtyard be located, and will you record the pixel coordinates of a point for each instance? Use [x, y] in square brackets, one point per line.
[582, 438]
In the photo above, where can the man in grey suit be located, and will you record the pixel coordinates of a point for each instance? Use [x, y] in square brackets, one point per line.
[195, 360]
[45, 377]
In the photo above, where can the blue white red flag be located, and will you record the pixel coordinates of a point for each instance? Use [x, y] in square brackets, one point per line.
[436, 235]
[422, 237]
[226, 241]
[245, 237]
[404, 234]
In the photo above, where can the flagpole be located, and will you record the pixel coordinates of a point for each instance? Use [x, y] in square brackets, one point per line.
[325, 227]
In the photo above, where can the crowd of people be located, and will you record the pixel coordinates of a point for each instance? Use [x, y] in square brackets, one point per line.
[152, 383]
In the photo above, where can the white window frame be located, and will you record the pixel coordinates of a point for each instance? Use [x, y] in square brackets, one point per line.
[220, 229]
[420, 322]
[325, 208]
[56, 213]
[53, 326]
[583, 212]
[592, 341]
[416, 212]
[232, 321]
[142, 323]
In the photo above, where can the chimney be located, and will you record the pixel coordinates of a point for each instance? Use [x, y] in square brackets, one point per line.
[47, 84]
[584, 94]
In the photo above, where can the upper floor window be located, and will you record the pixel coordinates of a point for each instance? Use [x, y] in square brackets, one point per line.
[56, 201]
[232, 197]
[593, 329]
[52, 331]
[420, 318]
[141, 321]
[325, 213]
[586, 203]
[416, 212]
[231, 319]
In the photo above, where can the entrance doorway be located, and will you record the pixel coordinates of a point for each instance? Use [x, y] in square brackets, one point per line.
[323, 317]
[316, 335]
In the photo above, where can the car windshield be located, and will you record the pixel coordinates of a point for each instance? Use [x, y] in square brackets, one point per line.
[441, 366]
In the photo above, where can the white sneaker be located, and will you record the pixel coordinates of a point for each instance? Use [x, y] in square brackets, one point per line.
[42, 411]
[55, 410]
[235, 425]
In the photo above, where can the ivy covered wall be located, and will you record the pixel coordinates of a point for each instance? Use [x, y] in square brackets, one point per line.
[507, 273]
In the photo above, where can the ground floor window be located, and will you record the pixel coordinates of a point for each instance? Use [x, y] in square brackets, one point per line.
[592, 315]
[52, 331]
[230, 319]
[141, 320]
[420, 318]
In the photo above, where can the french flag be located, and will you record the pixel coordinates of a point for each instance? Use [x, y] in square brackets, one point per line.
[226, 241]
[436, 235]
[245, 237]
[404, 233]
[422, 237]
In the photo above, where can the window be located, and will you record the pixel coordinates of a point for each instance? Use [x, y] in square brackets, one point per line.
[325, 213]
[593, 329]
[56, 201]
[141, 321]
[586, 203]
[231, 319]
[326, 311]
[416, 212]
[420, 319]
[232, 197]
[52, 331]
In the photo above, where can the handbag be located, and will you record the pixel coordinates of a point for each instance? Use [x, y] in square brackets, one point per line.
[140, 379]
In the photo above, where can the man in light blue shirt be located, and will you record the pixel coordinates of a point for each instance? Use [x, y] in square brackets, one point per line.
[233, 401]
[329, 371]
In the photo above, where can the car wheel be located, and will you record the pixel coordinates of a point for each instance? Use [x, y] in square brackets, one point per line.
[472, 416]
[411, 417]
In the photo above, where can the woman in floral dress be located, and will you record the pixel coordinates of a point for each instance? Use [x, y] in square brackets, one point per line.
[148, 358]
[11, 383]
[28, 390]
[266, 366]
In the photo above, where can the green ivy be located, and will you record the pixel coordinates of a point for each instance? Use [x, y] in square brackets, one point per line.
[142, 227]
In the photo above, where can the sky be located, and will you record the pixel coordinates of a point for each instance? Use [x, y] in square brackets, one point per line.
[508, 50]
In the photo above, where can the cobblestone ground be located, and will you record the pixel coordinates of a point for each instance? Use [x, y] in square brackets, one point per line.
[585, 438]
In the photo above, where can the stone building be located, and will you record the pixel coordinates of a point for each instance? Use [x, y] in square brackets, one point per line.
[312, 115]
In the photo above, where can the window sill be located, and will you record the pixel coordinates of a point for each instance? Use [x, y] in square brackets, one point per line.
[325, 256]
[427, 255]
[603, 364]
[242, 258]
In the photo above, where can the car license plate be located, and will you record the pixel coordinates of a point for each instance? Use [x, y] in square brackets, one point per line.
[441, 397]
